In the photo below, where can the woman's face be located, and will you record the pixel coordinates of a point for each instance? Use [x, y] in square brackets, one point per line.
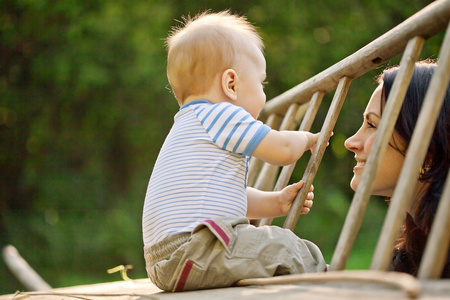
[361, 143]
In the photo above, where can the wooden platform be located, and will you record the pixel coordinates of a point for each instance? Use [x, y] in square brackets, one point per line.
[142, 289]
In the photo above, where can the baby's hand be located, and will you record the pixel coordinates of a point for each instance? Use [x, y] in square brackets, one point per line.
[308, 202]
[288, 195]
[312, 140]
[316, 139]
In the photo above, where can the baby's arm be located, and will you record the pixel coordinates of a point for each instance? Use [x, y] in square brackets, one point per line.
[261, 204]
[284, 147]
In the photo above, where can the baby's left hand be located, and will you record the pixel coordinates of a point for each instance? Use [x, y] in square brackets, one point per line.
[288, 195]
[308, 202]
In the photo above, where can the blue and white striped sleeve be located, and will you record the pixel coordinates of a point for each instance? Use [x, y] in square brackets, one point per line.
[232, 128]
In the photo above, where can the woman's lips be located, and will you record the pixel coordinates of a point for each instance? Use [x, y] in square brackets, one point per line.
[359, 165]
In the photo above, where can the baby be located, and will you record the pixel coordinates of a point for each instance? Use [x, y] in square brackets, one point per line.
[195, 222]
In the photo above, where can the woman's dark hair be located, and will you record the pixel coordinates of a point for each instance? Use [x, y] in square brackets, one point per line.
[417, 225]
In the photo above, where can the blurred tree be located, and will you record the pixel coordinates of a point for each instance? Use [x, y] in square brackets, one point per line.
[84, 109]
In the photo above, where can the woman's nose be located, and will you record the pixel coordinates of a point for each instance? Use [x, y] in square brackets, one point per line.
[352, 143]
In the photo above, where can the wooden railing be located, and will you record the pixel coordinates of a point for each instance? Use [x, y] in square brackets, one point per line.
[302, 103]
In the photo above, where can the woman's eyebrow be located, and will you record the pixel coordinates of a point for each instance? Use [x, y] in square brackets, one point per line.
[366, 116]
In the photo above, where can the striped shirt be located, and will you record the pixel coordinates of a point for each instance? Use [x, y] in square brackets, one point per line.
[201, 170]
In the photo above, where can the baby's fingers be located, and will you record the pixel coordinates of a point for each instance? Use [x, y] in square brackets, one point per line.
[314, 146]
[306, 207]
[308, 203]
[310, 195]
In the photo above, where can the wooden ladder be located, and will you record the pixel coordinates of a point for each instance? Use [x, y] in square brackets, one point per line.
[302, 102]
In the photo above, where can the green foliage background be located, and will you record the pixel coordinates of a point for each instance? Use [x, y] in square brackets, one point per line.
[84, 109]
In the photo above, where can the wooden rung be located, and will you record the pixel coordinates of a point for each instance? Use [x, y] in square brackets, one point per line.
[307, 122]
[254, 167]
[316, 157]
[23, 271]
[267, 175]
[361, 198]
[308, 119]
[311, 113]
[301, 112]
[289, 121]
[255, 164]
[415, 156]
[438, 243]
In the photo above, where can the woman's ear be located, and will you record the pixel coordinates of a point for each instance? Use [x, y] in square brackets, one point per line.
[229, 84]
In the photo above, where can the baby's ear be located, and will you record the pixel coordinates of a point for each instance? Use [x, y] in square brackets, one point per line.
[229, 84]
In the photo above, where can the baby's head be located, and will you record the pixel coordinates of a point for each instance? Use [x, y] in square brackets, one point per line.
[205, 46]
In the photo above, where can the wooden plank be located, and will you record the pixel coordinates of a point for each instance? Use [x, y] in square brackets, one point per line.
[384, 133]
[417, 150]
[319, 150]
[425, 23]
[142, 289]
[403, 281]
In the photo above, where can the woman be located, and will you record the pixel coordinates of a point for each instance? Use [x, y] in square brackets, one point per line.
[411, 242]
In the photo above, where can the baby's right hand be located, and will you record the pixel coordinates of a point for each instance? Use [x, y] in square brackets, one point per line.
[313, 138]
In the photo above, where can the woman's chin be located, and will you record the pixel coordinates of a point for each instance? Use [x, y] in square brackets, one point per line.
[354, 183]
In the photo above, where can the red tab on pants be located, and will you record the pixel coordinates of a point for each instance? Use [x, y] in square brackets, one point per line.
[184, 276]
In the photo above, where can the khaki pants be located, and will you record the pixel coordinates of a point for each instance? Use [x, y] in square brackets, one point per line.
[222, 251]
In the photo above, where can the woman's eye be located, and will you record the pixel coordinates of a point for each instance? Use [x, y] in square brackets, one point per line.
[371, 125]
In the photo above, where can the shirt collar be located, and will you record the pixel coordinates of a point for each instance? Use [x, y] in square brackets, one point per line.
[194, 102]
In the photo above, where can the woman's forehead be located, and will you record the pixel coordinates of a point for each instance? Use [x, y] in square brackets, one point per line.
[374, 103]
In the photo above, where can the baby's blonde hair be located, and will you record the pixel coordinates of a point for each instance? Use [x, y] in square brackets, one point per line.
[203, 46]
